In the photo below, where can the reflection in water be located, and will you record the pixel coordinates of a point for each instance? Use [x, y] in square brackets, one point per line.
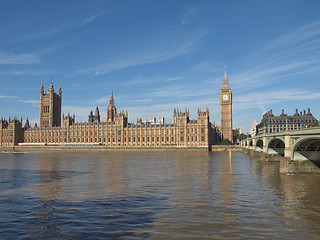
[153, 195]
[227, 184]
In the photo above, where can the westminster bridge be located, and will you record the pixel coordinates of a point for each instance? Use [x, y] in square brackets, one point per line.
[297, 145]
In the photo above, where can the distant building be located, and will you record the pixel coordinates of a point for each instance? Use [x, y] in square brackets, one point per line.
[153, 120]
[253, 130]
[271, 123]
[94, 118]
[161, 120]
[115, 131]
[91, 117]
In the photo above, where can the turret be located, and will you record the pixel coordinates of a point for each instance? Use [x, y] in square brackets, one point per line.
[225, 80]
[90, 117]
[111, 110]
[60, 91]
[27, 124]
[97, 115]
[41, 89]
[50, 107]
[111, 100]
[68, 120]
[309, 113]
[181, 117]
[51, 88]
[282, 113]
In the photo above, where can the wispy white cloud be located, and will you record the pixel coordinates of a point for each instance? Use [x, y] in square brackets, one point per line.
[33, 102]
[152, 52]
[267, 74]
[298, 36]
[24, 58]
[57, 29]
[102, 100]
[191, 15]
[261, 99]
[92, 18]
[291, 55]
[26, 72]
[28, 58]
[179, 91]
[53, 48]
[8, 97]
[18, 99]
[208, 66]
[142, 80]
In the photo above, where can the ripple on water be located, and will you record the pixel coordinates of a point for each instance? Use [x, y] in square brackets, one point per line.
[152, 195]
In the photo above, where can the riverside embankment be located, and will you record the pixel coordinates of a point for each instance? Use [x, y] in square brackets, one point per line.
[215, 148]
[287, 166]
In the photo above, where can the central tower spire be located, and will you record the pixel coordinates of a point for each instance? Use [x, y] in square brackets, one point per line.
[111, 100]
[111, 110]
[225, 80]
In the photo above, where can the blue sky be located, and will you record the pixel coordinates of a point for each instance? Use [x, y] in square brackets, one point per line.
[158, 55]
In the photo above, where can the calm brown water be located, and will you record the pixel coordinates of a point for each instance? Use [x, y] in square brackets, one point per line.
[154, 195]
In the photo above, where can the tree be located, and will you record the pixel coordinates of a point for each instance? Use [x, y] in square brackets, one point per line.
[226, 142]
[316, 124]
[243, 136]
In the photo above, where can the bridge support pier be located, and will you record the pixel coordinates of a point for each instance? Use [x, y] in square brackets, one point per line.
[287, 144]
[254, 143]
[288, 166]
[265, 144]
[298, 150]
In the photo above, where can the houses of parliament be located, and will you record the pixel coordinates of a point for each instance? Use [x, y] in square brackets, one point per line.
[55, 129]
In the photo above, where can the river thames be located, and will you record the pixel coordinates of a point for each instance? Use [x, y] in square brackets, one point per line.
[154, 195]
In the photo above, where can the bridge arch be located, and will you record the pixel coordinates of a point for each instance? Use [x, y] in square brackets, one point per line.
[276, 146]
[250, 144]
[307, 148]
[259, 145]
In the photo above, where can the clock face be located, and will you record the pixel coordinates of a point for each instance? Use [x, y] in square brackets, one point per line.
[225, 97]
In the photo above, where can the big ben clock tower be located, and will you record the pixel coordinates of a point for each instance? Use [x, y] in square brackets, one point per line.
[226, 108]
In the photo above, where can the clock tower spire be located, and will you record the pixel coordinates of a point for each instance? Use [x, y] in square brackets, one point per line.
[226, 108]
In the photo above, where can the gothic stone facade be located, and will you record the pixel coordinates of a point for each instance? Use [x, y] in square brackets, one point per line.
[226, 109]
[11, 132]
[116, 131]
[50, 107]
[271, 123]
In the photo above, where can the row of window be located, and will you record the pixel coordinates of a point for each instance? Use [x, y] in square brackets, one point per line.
[133, 139]
[46, 109]
[295, 121]
[95, 133]
[7, 133]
